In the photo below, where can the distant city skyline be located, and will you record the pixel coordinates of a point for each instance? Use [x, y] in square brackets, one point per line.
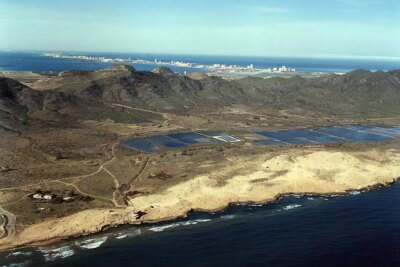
[286, 28]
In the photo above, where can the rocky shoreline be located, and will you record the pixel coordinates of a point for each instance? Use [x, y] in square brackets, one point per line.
[203, 194]
[149, 223]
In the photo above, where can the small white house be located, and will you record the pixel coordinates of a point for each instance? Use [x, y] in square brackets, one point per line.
[47, 196]
[37, 196]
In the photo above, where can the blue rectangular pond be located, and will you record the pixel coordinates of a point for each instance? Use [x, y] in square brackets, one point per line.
[141, 144]
[353, 135]
[385, 131]
[270, 143]
[166, 141]
[192, 138]
[290, 134]
[394, 131]
[221, 136]
[325, 139]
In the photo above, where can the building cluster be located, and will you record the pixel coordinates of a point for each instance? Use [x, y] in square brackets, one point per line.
[80, 57]
[229, 67]
[176, 63]
[280, 69]
[41, 196]
[215, 67]
[249, 68]
[48, 196]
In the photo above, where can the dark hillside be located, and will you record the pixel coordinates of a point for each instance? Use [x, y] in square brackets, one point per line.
[90, 94]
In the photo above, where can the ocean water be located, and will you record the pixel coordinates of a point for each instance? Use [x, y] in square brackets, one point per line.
[34, 61]
[360, 229]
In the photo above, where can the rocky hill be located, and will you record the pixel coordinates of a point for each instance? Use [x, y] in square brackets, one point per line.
[89, 94]
[19, 104]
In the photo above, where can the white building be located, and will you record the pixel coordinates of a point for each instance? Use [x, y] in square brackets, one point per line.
[37, 196]
[47, 196]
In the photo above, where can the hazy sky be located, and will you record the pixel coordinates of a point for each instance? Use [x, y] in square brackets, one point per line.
[217, 27]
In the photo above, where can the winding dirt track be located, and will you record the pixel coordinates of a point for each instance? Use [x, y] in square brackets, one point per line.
[9, 224]
[71, 177]
[141, 171]
[10, 218]
[164, 115]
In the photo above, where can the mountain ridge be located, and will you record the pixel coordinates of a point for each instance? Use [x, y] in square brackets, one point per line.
[88, 94]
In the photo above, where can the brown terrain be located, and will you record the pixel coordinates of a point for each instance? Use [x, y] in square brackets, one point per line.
[62, 134]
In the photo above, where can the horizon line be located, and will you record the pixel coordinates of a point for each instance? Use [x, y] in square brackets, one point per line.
[217, 55]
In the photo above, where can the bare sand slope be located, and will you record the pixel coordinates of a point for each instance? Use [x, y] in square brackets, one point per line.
[260, 178]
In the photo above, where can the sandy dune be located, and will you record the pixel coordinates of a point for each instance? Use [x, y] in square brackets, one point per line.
[261, 178]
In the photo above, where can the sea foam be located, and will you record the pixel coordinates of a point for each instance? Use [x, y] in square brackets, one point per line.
[57, 253]
[228, 217]
[292, 206]
[92, 243]
[255, 205]
[19, 253]
[173, 225]
[121, 236]
[195, 221]
[162, 228]
[128, 234]
[18, 264]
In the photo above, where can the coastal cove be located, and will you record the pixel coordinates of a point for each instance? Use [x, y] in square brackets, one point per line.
[354, 223]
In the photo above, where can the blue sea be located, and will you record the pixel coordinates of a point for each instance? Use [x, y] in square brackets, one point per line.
[359, 229]
[35, 61]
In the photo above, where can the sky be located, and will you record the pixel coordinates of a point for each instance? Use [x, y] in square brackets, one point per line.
[292, 28]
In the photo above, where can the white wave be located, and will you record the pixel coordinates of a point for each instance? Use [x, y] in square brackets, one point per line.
[228, 217]
[57, 253]
[310, 198]
[129, 234]
[19, 253]
[93, 243]
[255, 205]
[121, 236]
[173, 225]
[353, 193]
[162, 228]
[136, 232]
[195, 221]
[18, 264]
[292, 206]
